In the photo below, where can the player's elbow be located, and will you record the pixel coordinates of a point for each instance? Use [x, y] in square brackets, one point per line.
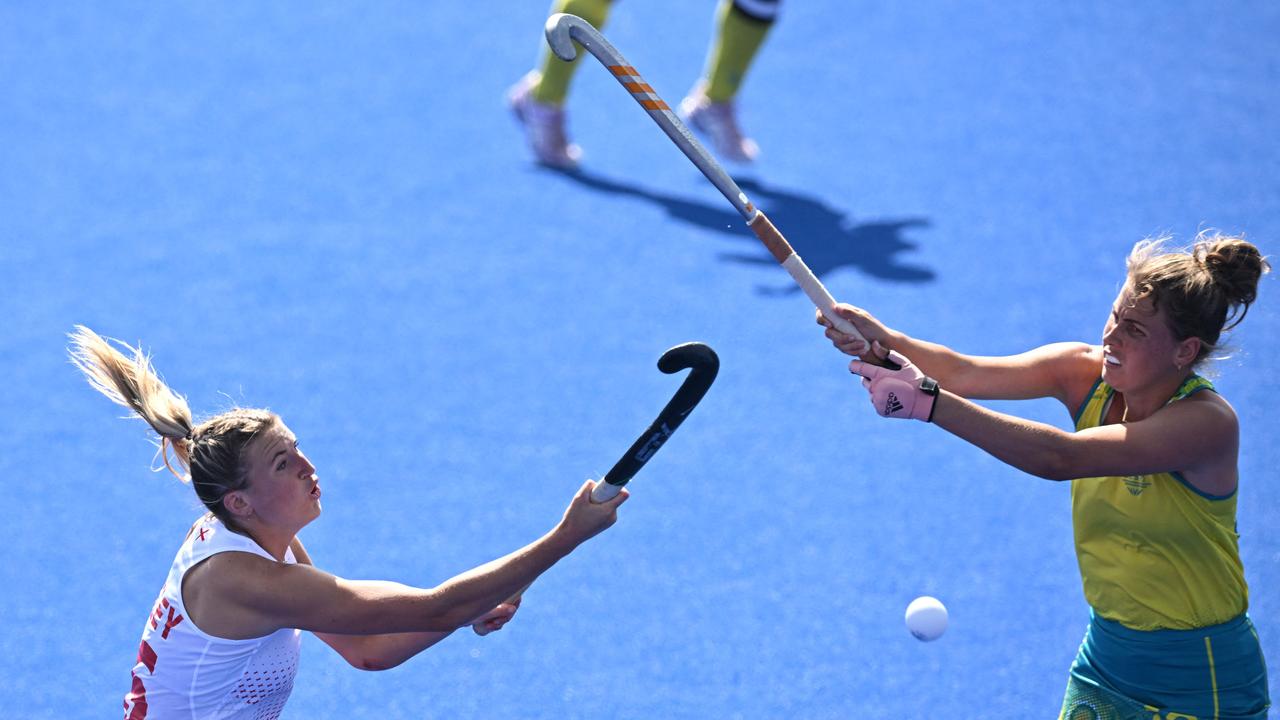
[1055, 472]
[370, 653]
[376, 664]
[362, 653]
[1058, 461]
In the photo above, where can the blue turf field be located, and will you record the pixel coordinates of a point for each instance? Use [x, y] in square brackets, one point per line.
[325, 208]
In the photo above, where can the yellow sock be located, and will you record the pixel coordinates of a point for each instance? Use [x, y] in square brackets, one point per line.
[738, 37]
[553, 87]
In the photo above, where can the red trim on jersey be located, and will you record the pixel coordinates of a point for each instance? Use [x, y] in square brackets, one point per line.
[147, 656]
[138, 696]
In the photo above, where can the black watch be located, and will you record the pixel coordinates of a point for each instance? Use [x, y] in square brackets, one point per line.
[929, 386]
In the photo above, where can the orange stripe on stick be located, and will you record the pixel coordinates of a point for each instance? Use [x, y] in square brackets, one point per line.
[639, 87]
[654, 105]
[623, 70]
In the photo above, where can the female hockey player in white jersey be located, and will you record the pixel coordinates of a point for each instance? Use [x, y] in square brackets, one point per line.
[222, 639]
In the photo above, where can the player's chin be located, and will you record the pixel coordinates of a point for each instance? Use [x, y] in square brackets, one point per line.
[1112, 374]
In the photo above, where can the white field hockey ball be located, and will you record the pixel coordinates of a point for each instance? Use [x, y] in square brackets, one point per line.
[927, 618]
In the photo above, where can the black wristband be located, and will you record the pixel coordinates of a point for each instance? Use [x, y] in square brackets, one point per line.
[929, 386]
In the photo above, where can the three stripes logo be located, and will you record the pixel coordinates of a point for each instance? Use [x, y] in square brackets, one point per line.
[892, 405]
[1135, 484]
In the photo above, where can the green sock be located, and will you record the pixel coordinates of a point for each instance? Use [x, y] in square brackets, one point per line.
[553, 87]
[738, 37]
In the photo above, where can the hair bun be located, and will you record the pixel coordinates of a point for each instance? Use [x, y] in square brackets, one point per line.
[1235, 265]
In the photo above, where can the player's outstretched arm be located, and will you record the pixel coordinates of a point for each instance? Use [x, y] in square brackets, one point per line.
[388, 650]
[1057, 370]
[239, 595]
[1198, 438]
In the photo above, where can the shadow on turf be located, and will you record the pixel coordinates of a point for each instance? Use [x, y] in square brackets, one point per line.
[824, 236]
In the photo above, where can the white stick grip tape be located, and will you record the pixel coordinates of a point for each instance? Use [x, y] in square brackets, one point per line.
[818, 294]
[603, 492]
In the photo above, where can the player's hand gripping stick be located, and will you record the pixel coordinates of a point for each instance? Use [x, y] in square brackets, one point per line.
[703, 366]
[563, 29]
[902, 392]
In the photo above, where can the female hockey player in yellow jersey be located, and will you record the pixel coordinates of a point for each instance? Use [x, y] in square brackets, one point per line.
[1153, 465]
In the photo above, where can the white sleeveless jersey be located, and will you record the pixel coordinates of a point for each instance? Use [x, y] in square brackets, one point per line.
[183, 672]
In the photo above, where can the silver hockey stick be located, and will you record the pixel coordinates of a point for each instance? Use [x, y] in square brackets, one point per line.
[563, 29]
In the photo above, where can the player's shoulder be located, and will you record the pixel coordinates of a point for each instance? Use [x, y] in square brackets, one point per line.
[234, 569]
[1205, 430]
[1206, 408]
[237, 578]
[1074, 359]
[238, 595]
[1072, 351]
[1075, 368]
[1071, 363]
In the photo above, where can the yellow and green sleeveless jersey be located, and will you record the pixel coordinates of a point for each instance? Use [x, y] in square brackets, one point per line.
[1155, 552]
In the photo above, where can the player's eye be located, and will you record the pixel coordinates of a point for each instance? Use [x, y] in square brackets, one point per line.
[284, 462]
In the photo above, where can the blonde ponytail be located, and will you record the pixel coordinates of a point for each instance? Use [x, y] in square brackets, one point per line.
[213, 455]
[134, 383]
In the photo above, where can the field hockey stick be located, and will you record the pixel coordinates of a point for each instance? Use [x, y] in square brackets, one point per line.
[563, 29]
[703, 366]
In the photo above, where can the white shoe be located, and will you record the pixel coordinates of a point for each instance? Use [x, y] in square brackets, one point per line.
[718, 122]
[543, 125]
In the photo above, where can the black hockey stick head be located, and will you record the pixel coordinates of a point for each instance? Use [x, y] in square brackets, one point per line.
[703, 365]
[698, 356]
